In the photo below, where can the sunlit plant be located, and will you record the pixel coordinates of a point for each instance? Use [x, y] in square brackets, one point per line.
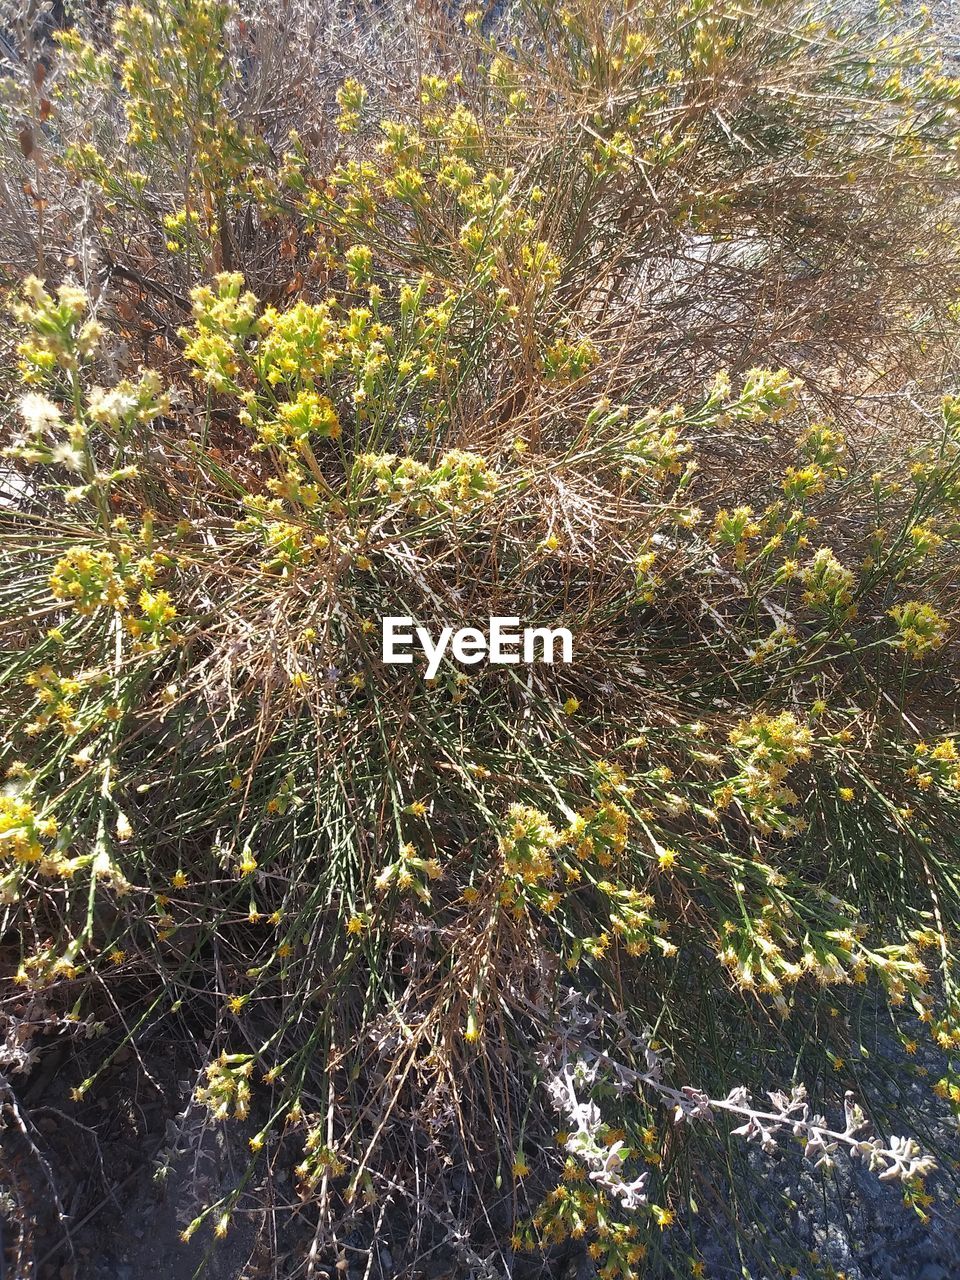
[637, 323]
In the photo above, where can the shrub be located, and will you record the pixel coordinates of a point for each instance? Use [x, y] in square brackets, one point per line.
[634, 321]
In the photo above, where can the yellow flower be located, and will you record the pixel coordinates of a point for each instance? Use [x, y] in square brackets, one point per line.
[355, 925]
[571, 706]
[81, 759]
[179, 880]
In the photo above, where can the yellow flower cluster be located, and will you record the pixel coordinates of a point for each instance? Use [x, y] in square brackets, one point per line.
[351, 97]
[766, 395]
[528, 844]
[227, 1091]
[633, 922]
[825, 447]
[828, 586]
[56, 695]
[941, 761]
[576, 1209]
[61, 333]
[767, 747]
[23, 831]
[922, 629]
[90, 580]
[734, 529]
[286, 546]
[599, 832]
[42, 969]
[320, 1160]
[772, 953]
[410, 871]
[655, 446]
[223, 317]
[308, 415]
[457, 482]
[175, 75]
[301, 344]
[152, 627]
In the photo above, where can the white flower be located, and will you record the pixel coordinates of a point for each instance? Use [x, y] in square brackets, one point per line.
[38, 412]
[111, 407]
[106, 870]
[68, 457]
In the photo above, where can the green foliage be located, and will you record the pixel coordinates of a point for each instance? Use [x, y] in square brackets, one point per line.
[639, 325]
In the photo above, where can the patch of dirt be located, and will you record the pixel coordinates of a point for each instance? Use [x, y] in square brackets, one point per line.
[80, 1193]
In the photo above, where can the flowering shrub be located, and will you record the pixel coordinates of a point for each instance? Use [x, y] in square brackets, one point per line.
[597, 330]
